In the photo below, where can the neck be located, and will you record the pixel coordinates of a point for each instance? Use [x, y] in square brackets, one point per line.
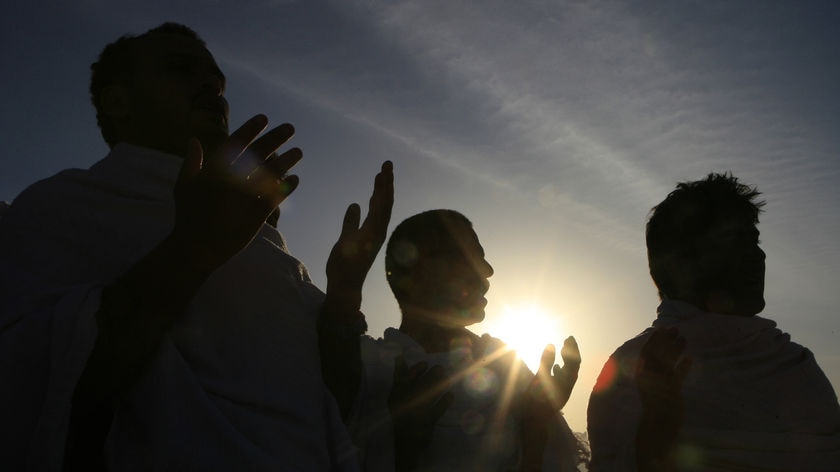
[434, 336]
[715, 302]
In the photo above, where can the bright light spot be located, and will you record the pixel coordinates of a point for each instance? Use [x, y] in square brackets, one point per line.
[528, 329]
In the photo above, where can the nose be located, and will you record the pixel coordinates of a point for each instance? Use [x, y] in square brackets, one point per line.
[486, 269]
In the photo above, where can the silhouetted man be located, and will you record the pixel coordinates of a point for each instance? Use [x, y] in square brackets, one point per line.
[497, 414]
[753, 400]
[150, 319]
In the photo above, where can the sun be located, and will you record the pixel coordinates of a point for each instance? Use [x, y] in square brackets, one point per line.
[527, 329]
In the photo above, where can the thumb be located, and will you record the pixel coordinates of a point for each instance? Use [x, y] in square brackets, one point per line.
[351, 220]
[192, 160]
[547, 360]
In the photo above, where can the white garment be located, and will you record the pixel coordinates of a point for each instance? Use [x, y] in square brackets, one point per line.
[236, 384]
[478, 432]
[753, 399]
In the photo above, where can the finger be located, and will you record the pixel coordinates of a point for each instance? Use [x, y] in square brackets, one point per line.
[286, 186]
[269, 178]
[570, 352]
[382, 199]
[192, 161]
[280, 165]
[547, 360]
[271, 140]
[351, 221]
[239, 140]
[375, 225]
[271, 189]
[255, 154]
[569, 372]
[566, 377]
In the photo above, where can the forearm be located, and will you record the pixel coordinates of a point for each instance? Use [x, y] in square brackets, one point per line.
[135, 312]
[340, 327]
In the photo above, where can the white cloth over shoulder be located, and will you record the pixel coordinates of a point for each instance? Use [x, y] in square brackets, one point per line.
[478, 432]
[754, 400]
[237, 383]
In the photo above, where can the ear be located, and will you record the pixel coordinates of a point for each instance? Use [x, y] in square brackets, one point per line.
[676, 276]
[116, 102]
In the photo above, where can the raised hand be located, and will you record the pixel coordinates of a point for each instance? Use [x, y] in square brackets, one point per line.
[341, 323]
[222, 199]
[566, 377]
[552, 386]
[660, 374]
[545, 396]
[417, 400]
[357, 246]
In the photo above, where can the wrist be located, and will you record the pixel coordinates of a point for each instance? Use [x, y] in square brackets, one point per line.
[343, 325]
[342, 303]
[167, 277]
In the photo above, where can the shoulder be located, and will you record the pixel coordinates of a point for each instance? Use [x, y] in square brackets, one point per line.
[491, 344]
[48, 203]
[617, 376]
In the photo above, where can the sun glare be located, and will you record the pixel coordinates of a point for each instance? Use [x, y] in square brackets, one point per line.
[528, 329]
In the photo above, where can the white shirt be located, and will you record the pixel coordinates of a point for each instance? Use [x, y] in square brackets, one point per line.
[237, 384]
[480, 429]
[753, 399]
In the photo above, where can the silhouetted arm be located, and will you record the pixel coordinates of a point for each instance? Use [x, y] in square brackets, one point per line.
[130, 328]
[218, 212]
[660, 379]
[341, 322]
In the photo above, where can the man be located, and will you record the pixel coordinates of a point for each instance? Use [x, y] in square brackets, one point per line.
[753, 400]
[150, 318]
[497, 415]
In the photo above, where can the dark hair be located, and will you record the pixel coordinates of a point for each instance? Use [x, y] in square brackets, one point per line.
[679, 226]
[419, 237]
[116, 66]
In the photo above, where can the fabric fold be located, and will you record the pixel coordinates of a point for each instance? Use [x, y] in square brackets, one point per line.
[754, 399]
[236, 384]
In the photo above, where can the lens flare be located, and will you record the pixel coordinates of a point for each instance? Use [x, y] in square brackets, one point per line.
[607, 376]
[482, 382]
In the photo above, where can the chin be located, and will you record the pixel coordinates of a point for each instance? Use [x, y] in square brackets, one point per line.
[473, 316]
[749, 307]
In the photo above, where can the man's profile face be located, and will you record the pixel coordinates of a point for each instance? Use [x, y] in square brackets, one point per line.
[176, 93]
[735, 265]
[454, 280]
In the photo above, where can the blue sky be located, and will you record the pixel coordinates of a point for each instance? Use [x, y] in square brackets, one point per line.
[554, 125]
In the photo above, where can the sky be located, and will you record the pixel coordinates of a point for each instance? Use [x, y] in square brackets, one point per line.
[554, 126]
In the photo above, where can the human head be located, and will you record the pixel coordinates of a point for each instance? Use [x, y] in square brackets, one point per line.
[159, 89]
[435, 266]
[703, 249]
